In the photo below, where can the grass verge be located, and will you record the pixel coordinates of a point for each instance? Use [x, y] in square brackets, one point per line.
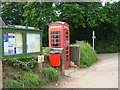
[88, 55]
[32, 80]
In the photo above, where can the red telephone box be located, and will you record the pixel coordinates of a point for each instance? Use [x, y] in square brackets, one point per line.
[59, 37]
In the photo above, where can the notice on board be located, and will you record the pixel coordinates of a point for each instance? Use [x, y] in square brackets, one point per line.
[13, 43]
[40, 58]
[33, 42]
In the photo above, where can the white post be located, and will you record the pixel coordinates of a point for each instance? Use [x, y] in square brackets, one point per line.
[93, 37]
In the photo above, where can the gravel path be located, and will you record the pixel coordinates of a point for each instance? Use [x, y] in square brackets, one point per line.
[103, 74]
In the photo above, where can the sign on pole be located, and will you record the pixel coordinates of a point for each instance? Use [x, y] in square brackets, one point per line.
[40, 58]
[93, 37]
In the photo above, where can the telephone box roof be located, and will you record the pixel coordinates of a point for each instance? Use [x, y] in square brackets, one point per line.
[59, 23]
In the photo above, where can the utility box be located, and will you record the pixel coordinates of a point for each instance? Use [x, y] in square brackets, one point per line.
[19, 41]
[75, 54]
[59, 37]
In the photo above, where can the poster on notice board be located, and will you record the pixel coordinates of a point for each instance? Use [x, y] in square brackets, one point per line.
[33, 42]
[12, 43]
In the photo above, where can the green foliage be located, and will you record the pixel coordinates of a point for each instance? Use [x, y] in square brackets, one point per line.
[12, 12]
[39, 15]
[21, 58]
[30, 80]
[27, 80]
[50, 73]
[83, 14]
[82, 18]
[45, 51]
[26, 63]
[107, 47]
[13, 83]
[87, 55]
[6, 69]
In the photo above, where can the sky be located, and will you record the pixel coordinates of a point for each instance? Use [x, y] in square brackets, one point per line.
[111, 1]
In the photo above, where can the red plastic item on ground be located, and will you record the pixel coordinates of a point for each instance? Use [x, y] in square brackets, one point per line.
[55, 59]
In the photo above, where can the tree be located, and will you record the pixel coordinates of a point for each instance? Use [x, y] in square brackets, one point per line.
[109, 30]
[80, 16]
[83, 17]
[12, 13]
[39, 15]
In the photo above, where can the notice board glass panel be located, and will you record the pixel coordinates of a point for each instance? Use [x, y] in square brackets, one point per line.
[33, 42]
[13, 43]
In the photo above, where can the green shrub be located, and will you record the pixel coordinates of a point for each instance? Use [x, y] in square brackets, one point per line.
[103, 46]
[22, 58]
[45, 50]
[26, 63]
[50, 74]
[13, 83]
[30, 80]
[88, 55]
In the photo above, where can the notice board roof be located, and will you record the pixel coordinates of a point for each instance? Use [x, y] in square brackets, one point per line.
[20, 27]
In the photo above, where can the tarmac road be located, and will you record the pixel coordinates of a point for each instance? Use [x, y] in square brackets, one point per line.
[103, 74]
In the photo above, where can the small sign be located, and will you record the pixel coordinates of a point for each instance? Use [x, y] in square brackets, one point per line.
[93, 37]
[79, 42]
[55, 27]
[40, 58]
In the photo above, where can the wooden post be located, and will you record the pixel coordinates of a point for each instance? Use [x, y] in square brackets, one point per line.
[79, 56]
[1, 79]
[38, 67]
[62, 62]
[75, 54]
[1, 49]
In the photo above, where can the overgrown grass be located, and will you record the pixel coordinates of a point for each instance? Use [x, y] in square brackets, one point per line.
[27, 80]
[50, 74]
[13, 83]
[88, 55]
[45, 51]
[30, 80]
[33, 80]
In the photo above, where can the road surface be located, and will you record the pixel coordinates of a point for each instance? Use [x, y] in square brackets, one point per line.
[103, 74]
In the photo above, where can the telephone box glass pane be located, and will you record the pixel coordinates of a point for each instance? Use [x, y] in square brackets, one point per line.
[55, 32]
[13, 43]
[55, 36]
[55, 44]
[33, 42]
